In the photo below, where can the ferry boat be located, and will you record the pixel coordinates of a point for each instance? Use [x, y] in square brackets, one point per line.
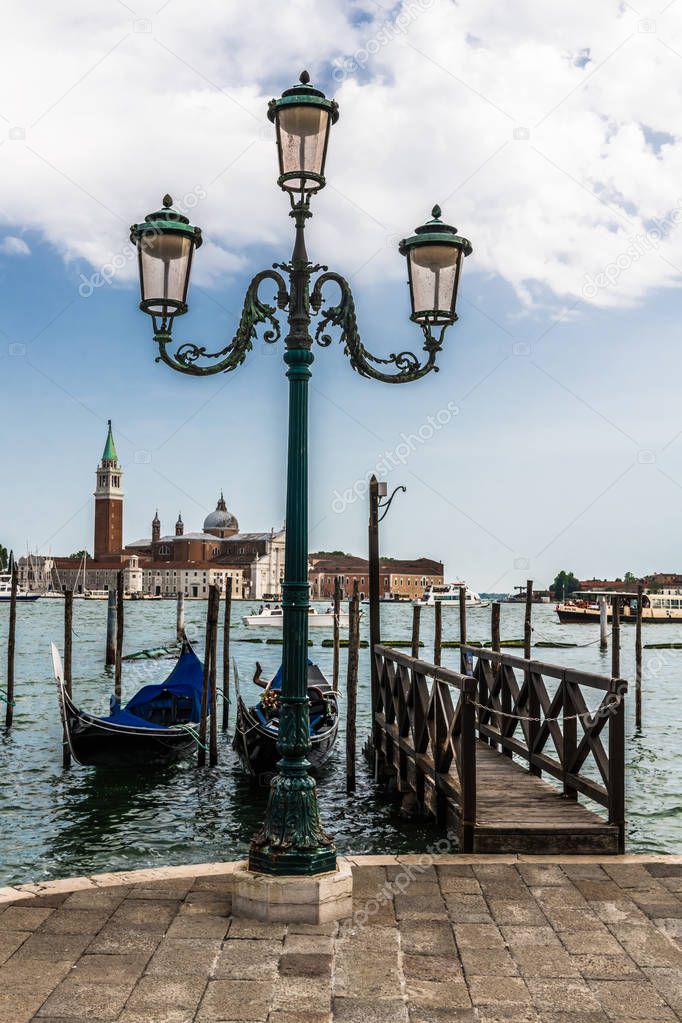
[448, 593]
[273, 617]
[583, 606]
[6, 590]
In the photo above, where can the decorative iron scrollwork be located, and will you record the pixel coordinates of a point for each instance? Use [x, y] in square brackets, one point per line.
[342, 315]
[254, 313]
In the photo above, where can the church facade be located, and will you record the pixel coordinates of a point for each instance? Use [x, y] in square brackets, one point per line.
[162, 565]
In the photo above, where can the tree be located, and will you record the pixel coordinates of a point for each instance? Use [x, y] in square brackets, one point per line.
[565, 584]
[4, 558]
[629, 577]
[77, 555]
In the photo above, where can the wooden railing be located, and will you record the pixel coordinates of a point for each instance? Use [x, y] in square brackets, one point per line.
[430, 709]
[558, 733]
[429, 721]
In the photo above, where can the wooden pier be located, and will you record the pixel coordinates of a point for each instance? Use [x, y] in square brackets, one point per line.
[473, 748]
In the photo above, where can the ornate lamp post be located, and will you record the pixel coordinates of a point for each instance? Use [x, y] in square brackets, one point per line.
[292, 840]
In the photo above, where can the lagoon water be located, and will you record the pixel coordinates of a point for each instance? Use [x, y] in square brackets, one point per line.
[56, 823]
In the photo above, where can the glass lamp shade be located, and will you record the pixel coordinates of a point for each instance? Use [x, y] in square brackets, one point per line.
[165, 245]
[434, 257]
[302, 118]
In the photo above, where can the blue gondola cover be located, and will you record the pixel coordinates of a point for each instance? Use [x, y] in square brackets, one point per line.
[185, 683]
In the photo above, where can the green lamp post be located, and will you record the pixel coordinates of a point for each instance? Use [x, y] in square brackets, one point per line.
[292, 839]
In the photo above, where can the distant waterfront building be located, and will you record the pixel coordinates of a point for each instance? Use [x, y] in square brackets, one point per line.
[397, 579]
[162, 565]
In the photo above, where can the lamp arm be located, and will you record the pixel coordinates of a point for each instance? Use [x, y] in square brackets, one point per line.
[407, 364]
[254, 313]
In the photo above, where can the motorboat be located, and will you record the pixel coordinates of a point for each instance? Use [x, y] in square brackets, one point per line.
[272, 616]
[448, 593]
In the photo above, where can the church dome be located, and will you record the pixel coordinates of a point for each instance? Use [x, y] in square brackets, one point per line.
[221, 521]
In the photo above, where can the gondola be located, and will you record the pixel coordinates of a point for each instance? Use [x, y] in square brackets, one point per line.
[257, 727]
[155, 728]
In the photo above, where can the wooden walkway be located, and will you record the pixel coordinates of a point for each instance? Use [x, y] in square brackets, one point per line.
[472, 749]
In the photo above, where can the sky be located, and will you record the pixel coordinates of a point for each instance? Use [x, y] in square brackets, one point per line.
[549, 135]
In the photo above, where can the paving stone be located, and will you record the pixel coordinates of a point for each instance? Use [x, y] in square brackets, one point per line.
[673, 928]
[423, 939]
[432, 967]
[242, 928]
[478, 936]
[298, 1016]
[659, 870]
[24, 918]
[503, 890]
[606, 967]
[460, 885]
[372, 976]
[200, 925]
[519, 937]
[505, 911]
[111, 969]
[305, 964]
[205, 902]
[328, 930]
[75, 921]
[361, 1010]
[647, 946]
[309, 943]
[577, 870]
[94, 1000]
[154, 996]
[19, 1006]
[144, 915]
[162, 1015]
[248, 959]
[467, 909]
[290, 993]
[173, 889]
[505, 1014]
[636, 999]
[438, 994]
[619, 912]
[120, 940]
[420, 907]
[601, 942]
[629, 875]
[378, 939]
[95, 898]
[541, 961]
[10, 941]
[454, 870]
[559, 995]
[235, 1000]
[32, 974]
[542, 874]
[662, 908]
[220, 883]
[488, 962]
[499, 991]
[572, 918]
[672, 884]
[599, 891]
[193, 957]
[668, 983]
[561, 898]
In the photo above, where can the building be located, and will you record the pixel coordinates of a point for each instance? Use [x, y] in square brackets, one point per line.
[397, 579]
[162, 565]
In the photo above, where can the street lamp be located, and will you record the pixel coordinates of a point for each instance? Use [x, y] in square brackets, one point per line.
[292, 840]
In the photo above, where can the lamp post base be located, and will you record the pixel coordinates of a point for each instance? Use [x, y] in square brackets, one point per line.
[294, 899]
[292, 840]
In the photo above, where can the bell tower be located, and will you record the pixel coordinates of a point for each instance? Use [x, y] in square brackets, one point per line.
[108, 502]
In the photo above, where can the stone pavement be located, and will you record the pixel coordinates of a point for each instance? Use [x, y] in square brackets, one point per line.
[433, 939]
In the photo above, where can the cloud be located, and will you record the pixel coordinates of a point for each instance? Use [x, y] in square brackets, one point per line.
[12, 246]
[543, 132]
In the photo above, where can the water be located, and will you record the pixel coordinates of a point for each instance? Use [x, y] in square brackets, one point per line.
[57, 823]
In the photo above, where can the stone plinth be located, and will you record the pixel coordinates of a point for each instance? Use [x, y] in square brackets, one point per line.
[311, 900]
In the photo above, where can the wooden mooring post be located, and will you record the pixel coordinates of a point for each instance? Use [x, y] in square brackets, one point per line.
[118, 687]
[352, 685]
[206, 699]
[213, 719]
[603, 625]
[437, 631]
[533, 698]
[68, 666]
[527, 621]
[638, 658]
[416, 614]
[11, 647]
[337, 634]
[180, 617]
[110, 651]
[615, 637]
[462, 628]
[227, 623]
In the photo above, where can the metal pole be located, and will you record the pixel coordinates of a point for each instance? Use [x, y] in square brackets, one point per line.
[603, 624]
[110, 652]
[291, 840]
[374, 607]
[180, 617]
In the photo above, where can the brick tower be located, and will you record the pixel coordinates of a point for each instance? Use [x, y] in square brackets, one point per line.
[108, 502]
